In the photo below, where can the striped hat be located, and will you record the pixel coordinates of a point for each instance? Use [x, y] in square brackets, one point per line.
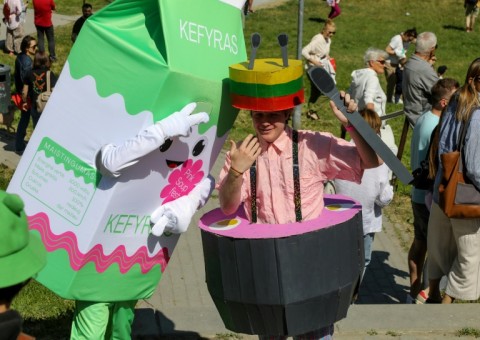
[268, 86]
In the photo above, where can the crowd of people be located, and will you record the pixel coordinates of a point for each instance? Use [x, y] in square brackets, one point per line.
[32, 63]
[14, 12]
[424, 92]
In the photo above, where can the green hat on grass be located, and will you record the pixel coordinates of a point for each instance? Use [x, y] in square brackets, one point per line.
[22, 254]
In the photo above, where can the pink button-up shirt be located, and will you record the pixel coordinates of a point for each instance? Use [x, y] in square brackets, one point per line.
[321, 157]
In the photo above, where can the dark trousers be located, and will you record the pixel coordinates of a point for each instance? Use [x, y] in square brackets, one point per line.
[399, 81]
[23, 125]
[48, 31]
[314, 93]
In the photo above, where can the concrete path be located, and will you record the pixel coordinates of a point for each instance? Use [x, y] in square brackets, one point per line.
[29, 27]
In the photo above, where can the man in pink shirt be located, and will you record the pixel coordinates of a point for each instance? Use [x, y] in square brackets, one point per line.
[321, 157]
[282, 192]
[43, 22]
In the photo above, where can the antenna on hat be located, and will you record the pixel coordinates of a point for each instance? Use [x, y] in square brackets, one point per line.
[283, 42]
[253, 53]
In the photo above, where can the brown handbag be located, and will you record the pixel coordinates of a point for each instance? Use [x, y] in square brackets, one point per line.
[459, 198]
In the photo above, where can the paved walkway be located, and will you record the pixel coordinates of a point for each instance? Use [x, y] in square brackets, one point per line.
[181, 307]
[29, 27]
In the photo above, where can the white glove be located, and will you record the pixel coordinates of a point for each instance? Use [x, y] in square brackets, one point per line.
[179, 123]
[112, 158]
[175, 216]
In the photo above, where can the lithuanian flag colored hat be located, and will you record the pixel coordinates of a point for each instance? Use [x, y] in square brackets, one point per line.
[271, 84]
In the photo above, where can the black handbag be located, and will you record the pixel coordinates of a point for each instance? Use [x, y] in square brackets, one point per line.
[420, 175]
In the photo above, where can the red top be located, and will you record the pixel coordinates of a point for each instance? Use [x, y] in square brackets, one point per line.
[43, 12]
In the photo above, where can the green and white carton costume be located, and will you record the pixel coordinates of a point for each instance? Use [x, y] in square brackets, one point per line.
[104, 156]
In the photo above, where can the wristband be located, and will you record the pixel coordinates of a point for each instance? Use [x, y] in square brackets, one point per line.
[350, 128]
[238, 173]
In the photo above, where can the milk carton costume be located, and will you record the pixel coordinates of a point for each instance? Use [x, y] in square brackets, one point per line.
[108, 152]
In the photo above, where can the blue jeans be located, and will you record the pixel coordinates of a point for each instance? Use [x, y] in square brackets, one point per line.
[22, 127]
[48, 31]
[367, 245]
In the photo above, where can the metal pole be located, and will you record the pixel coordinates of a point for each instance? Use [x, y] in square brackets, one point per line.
[297, 112]
[401, 146]
[300, 29]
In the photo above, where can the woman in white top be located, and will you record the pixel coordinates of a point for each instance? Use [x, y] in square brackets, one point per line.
[367, 92]
[374, 192]
[397, 50]
[317, 53]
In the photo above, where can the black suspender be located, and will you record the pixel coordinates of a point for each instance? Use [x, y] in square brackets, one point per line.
[253, 190]
[297, 199]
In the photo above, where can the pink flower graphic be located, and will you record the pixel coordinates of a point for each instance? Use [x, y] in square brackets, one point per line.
[182, 181]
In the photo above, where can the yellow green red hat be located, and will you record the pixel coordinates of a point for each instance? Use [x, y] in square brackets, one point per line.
[22, 253]
[268, 86]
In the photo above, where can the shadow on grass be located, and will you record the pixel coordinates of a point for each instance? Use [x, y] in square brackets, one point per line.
[454, 27]
[379, 285]
[320, 20]
[151, 324]
[49, 329]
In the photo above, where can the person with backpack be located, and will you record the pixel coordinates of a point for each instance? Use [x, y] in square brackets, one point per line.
[12, 11]
[442, 90]
[37, 81]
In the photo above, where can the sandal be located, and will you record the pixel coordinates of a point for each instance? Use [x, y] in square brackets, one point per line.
[312, 115]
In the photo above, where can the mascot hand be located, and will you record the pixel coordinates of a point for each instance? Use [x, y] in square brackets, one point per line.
[175, 216]
[179, 123]
[113, 158]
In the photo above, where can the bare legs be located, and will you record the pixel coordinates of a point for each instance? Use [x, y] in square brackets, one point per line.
[416, 260]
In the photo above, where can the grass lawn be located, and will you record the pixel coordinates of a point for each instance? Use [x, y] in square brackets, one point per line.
[362, 24]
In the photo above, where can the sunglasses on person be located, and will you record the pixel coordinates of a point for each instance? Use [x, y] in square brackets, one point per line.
[381, 61]
[331, 32]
